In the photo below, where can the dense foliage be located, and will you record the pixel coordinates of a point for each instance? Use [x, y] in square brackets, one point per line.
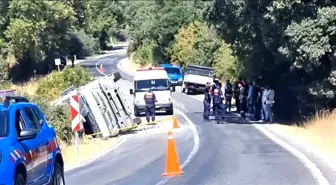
[289, 45]
[38, 31]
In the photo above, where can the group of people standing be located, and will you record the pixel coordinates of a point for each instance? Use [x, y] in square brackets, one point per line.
[250, 98]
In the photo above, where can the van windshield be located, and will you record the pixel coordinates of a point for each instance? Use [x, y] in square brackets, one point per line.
[154, 84]
[3, 123]
[174, 71]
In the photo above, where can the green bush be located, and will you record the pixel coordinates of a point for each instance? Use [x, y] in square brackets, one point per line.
[147, 53]
[86, 45]
[57, 115]
[50, 87]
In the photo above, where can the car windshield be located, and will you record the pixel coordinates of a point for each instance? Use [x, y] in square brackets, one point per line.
[154, 84]
[174, 71]
[207, 73]
[3, 123]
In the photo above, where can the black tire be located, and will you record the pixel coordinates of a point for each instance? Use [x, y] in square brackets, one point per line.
[58, 175]
[170, 111]
[136, 112]
[19, 179]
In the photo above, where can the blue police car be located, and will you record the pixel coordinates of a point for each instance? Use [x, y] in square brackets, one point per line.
[175, 74]
[29, 152]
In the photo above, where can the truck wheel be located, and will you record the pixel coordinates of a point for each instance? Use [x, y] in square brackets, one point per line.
[136, 112]
[19, 179]
[170, 111]
[58, 176]
[187, 91]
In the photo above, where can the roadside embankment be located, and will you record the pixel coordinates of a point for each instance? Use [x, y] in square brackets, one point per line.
[46, 89]
[319, 131]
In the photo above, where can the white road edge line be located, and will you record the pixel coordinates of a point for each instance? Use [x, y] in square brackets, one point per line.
[193, 129]
[123, 138]
[311, 166]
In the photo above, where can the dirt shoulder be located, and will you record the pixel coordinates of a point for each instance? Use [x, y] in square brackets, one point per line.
[320, 132]
[89, 149]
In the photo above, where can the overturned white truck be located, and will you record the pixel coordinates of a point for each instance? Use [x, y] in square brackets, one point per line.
[104, 107]
[195, 78]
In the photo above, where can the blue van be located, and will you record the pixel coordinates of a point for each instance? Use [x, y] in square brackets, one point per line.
[175, 74]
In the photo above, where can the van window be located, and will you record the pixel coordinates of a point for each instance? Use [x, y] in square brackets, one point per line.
[154, 84]
[174, 71]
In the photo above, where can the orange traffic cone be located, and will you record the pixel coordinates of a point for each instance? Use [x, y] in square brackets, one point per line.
[172, 161]
[175, 123]
[101, 69]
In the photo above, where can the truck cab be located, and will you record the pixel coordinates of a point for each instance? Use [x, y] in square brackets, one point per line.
[157, 80]
[175, 74]
[196, 77]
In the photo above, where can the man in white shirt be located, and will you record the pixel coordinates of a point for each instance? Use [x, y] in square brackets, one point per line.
[268, 104]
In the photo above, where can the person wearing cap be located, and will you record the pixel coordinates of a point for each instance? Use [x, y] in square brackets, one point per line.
[150, 100]
[207, 101]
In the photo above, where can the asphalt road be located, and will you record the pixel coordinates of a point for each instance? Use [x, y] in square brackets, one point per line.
[235, 153]
[140, 159]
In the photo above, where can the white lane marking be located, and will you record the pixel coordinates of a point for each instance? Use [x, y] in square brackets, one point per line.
[181, 105]
[311, 166]
[314, 170]
[195, 136]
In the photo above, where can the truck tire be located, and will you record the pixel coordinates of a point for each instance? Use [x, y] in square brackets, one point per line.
[19, 179]
[170, 111]
[58, 176]
[136, 112]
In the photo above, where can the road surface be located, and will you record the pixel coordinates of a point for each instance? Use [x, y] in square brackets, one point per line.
[140, 159]
[235, 153]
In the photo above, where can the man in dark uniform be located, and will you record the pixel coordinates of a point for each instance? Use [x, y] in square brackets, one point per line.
[150, 100]
[207, 101]
[217, 101]
[228, 95]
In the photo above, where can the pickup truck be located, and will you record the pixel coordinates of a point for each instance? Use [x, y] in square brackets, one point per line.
[196, 77]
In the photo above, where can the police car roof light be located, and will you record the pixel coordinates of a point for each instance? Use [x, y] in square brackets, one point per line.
[17, 99]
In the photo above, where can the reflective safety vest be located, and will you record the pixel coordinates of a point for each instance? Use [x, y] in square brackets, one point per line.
[217, 95]
[150, 98]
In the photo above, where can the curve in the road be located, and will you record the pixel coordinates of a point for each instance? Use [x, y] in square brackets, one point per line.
[232, 153]
[124, 160]
[315, 171]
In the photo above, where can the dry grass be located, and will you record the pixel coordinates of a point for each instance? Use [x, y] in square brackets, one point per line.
[320, 131]
[89, 148]
[26, 88]
[130, 66]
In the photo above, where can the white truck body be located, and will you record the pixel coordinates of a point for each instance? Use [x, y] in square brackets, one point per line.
[196, 77]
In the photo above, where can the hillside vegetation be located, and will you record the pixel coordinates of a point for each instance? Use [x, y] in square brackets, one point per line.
[288, 45]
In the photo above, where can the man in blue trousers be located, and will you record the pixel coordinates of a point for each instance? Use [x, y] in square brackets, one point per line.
[150, 105]
[207, 101]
